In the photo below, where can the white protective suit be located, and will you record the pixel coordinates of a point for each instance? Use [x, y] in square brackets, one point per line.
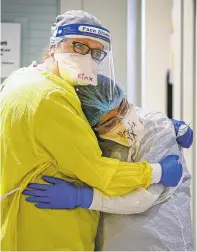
[155, 219]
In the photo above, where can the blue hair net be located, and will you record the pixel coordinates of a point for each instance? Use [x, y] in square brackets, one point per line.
[95, 100]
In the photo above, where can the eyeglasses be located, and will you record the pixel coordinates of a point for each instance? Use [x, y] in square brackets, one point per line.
[110, 124]
[96, 54]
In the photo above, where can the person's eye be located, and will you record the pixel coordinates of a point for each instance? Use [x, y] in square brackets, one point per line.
[123, 111]
[80, 46]
[97, 54]
[112, 123]
[109, 124]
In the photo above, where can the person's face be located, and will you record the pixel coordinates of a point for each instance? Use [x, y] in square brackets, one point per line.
[113, 118]
[66, 46]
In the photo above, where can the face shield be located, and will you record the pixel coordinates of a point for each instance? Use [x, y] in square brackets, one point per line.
[86, 72]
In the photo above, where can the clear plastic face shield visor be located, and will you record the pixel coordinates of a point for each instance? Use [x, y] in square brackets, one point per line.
[101, 56]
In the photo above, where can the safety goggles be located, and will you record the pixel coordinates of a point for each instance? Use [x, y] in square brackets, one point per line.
[112, 123]
[83, 49]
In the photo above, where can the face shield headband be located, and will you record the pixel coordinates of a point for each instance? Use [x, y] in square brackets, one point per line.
[97, 33]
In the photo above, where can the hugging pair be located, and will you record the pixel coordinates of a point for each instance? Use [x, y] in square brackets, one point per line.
[156, 218]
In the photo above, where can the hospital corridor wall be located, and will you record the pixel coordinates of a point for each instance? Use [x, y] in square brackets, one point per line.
[35, 17]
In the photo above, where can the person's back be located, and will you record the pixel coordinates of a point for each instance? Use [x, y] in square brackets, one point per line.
[25, 160]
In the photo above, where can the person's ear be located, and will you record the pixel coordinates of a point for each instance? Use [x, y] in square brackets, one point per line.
[52, 51]
[52, 65]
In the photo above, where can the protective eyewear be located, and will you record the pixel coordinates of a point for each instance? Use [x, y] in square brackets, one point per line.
[83, 49]
[110, 124]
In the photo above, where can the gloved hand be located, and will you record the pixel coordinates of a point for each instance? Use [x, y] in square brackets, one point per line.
[59, 194]
[171, 171]
[186, 139]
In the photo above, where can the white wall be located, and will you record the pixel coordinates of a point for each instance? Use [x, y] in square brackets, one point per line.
[184, 72]
[66, 5]
[134, 79]
[113, 15]
[185, 95]
[156, 23]
[36, 18]
[188, 74]
[176, 46]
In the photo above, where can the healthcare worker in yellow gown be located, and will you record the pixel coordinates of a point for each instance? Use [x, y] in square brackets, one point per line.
[44, 132]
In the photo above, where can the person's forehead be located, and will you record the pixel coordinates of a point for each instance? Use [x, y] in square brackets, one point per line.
[110, 114]
[90, 42]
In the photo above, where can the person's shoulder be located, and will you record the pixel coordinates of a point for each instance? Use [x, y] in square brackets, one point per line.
[33, 90]
[29, 78]
[25, 88]
[29, 83]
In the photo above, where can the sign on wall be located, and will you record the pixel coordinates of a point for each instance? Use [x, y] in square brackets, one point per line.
[10, 48]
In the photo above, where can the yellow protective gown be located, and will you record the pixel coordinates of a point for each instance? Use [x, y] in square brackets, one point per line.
[44, 132]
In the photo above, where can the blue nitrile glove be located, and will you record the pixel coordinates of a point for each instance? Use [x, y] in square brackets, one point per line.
[186, 139]
[171, 170]
[59, 194]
